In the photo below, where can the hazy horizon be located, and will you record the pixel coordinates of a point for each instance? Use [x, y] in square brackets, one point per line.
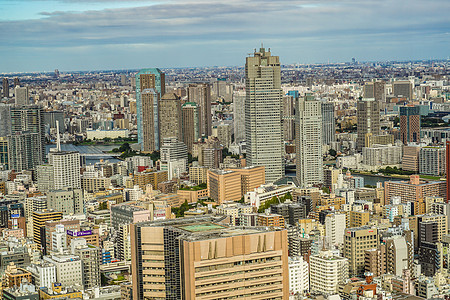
[71, 35]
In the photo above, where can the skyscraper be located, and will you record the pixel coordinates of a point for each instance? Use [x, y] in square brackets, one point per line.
[30, 118]
[66, 169]
[191, 124]
[368, 120]
[174, 158]
[263, 132]
[24, 150]
[239, 116]
[409, 124]
[447, 169]
[148, 79]
[288, 118]
[309, 161]
[5, 119]
[5, 88]
[200, 93]
[328, 123]
[170, 119]
[150, 123]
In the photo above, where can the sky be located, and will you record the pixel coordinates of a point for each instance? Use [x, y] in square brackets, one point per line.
[71, 35]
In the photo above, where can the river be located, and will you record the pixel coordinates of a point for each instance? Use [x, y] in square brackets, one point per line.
[88, 149]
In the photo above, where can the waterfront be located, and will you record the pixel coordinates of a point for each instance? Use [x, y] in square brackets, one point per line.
[88, 149]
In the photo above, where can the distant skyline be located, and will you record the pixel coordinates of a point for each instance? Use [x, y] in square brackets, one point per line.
[71, 35]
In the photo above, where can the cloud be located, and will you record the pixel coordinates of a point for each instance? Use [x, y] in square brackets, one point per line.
[335, 29]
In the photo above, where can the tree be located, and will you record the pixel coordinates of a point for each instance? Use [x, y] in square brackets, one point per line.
[332, 152]
[124, 148]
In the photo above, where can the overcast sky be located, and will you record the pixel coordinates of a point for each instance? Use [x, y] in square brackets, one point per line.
[44, 35]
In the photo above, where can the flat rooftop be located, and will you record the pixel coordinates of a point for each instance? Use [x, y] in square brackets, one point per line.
[201, 227]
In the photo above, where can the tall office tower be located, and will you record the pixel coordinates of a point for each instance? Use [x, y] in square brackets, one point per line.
[150, 123]
[263, 133]
[335, 225]
[402, 89]
[30, 118]
[288, 118]
[21, 95]
[24, 151]
[147, 79]
[174, 158]
[447, 170]
[200, 93]
[191, 124]
[376, 90]
[309, 161]
[123, 79]
[328, 123]
[170, 120]
[409, 124]
[239, 116]
[194, 258]
[5, 88]
[39, 218]
[5, 119]
[327, 272]
[368, 120]
[16, 81]
[356, 241]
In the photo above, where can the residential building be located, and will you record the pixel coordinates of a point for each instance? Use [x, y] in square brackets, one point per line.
[200, 93]
[414, 189]
[356, 241]
[170, 118]
[368, 120]
[148, 79]
[409, 124]
[191, 124]
[328, 123]
[298, 275]
[309, 161]
[432, 160]
[327, 272]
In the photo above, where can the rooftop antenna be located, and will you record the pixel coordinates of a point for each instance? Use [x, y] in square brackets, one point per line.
[58, 140]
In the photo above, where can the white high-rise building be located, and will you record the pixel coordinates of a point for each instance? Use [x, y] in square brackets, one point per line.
[335, 228]
[309, 161]
[263, 133]
[239, 116]
[44, 274]
[298, 275]
[66, 169]
[327, 271]
[174, 158]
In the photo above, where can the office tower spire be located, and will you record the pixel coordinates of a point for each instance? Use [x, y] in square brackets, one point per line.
[263, 113]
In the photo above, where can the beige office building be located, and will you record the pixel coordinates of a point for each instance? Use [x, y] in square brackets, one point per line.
[170, 118]
[224, 185]
[251, 177]
[197, 258]
[356, 242]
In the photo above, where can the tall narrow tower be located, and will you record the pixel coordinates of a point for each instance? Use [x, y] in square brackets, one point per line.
[308, 122]
[146, 80]
[447, 168]
[368, 120]
[263, 132]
